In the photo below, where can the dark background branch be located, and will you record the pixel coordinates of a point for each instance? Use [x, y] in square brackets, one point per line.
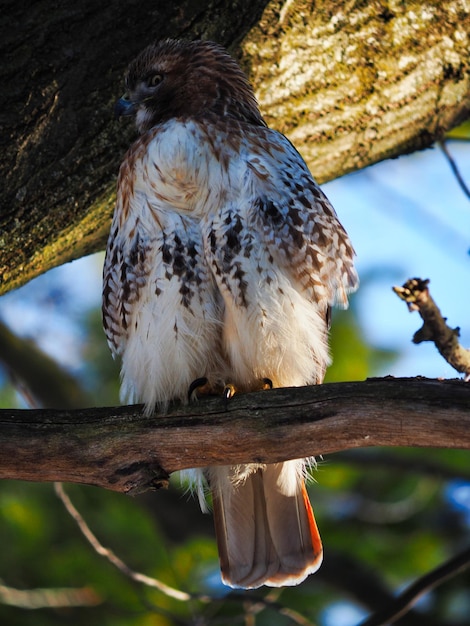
[37, 376]
[400, 605]
[366, 585]
[388, 460]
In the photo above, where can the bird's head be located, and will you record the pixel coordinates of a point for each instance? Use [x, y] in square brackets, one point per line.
[186, 79]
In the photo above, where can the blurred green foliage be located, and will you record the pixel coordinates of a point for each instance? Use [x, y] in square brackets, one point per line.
[383, 523]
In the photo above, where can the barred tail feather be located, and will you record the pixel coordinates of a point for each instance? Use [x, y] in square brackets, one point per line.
[265, 527]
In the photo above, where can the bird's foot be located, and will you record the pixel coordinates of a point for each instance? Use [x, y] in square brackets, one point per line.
[228, 392]
[199, 387]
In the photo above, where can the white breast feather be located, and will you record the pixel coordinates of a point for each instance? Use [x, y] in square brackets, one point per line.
[278, 331]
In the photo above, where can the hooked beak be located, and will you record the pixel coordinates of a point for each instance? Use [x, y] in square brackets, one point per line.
[124, 107]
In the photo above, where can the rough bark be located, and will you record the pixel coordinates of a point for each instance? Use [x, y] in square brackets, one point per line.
[350, 84]
[122, 450]
[62, 68]
[415, 293]
[358, 82]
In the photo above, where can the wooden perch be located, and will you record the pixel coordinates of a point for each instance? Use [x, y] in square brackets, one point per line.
[121, 449]
[416, 294]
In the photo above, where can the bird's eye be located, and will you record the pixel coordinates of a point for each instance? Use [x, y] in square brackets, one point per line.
[155, 80]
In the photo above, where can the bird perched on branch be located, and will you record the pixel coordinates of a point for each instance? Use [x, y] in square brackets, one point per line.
[222, 263]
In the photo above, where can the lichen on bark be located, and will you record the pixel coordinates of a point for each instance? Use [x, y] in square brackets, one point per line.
[354, 84]
[350, 84]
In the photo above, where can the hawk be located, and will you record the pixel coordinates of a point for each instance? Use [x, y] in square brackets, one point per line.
[223, 260]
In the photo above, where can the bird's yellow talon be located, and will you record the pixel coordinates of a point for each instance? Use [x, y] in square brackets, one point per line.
[229, 391]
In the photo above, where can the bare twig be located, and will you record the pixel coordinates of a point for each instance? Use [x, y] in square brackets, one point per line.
[48, 598]
[113, 558]
[416, 294]
[405, 600]
[255, 604]
[367, 586]
[454, 168]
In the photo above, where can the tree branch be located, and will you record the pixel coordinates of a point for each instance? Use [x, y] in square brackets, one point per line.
[110, 556]
[416, 466]
[37, 376]
[58, 598]
[402, 603]
[121, 449]
[455, 169]
[349, 83]
[416, 294]
[366, 585]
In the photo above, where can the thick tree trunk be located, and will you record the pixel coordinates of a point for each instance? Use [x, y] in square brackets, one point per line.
[350, 84]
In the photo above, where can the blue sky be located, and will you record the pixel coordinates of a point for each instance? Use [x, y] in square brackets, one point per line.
[409, 215]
